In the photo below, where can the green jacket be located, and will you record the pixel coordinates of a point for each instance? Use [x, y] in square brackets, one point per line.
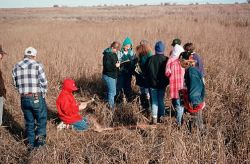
[109, 61]
[140, 74]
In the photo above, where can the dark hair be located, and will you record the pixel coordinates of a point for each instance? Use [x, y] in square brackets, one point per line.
[189, 47]
[185, 55]
[176, 41]
[115, 45]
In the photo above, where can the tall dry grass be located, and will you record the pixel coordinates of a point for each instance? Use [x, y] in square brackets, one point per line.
[70, 42]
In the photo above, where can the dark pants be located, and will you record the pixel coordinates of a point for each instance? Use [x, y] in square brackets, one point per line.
[124, 83]
[35, 115]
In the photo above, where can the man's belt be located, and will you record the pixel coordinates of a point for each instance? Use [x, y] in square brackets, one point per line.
[31, 94]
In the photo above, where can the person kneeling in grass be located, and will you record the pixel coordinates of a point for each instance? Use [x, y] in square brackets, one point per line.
[194, 94]
[68, 109]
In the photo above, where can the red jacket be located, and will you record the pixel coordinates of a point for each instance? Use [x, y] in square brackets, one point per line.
[68, 109]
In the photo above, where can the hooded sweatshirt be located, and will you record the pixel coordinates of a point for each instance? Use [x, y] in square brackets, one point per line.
[127, 67]
[68, 109]
[175, 72]
[109, 61]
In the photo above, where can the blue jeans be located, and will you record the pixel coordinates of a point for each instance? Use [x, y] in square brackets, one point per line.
[179, 110]
[35, 115]
[81, 125]
[144, 90]
[111, 85]
[124, 83]
[158, 107]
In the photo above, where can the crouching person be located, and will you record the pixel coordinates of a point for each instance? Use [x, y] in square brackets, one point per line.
[30, 80]
[68, 108]
[194, 94]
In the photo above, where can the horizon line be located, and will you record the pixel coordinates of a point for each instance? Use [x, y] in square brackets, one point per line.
[125, 5]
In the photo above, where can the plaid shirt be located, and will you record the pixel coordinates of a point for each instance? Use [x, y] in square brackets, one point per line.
[29, 77]
[176, 76]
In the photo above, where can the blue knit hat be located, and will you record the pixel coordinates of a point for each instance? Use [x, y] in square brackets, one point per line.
[159, 48]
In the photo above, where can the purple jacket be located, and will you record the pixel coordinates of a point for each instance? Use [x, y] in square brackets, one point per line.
[199, 64]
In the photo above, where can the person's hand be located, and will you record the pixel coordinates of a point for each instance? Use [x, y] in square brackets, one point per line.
[117, 64]
[203, 79]
[83, 105]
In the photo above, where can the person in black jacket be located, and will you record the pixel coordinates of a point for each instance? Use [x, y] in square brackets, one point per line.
[157, 81]
[2, 87]
[110, 71]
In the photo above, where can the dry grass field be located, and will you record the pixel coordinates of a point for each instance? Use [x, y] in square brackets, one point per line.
[70, 42]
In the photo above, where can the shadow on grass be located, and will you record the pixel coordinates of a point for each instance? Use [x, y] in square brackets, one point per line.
[92, 85]
[15, 129]
[52, 116]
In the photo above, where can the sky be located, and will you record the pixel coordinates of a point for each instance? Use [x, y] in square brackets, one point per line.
[73, 3]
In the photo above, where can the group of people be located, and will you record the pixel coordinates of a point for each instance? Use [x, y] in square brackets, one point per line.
[182, 70]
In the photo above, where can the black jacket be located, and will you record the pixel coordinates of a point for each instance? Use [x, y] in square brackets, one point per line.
[2, 86]
[109, 61]
[155, 72]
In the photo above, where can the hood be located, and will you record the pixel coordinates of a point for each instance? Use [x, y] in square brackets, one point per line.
[177, 50]
[107, 51]
[69, 85]
[127, 41]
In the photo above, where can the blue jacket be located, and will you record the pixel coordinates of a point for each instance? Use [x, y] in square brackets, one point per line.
[195, 85]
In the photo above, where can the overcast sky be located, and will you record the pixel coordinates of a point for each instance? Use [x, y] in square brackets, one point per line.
[50, 3]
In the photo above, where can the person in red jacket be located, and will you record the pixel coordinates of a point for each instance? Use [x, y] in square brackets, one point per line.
[68, 108]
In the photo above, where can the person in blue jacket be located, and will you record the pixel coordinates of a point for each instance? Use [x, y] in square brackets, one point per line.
[194, 96]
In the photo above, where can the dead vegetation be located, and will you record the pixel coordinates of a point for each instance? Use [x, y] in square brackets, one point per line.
[73, 48]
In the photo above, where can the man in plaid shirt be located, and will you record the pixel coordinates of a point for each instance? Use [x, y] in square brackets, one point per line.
[30, 80]
[176, 78]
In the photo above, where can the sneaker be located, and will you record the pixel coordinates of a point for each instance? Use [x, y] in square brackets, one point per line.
[61, 126]
[30, 147]
[161, 119]
[40, 141]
